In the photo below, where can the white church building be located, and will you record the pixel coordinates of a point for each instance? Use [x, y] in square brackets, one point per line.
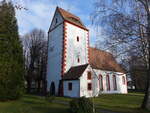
[74, 69]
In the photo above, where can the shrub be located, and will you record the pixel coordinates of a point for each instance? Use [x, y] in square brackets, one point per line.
[81, 105]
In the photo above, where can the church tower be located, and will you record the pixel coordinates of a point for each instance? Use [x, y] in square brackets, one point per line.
[68, 42]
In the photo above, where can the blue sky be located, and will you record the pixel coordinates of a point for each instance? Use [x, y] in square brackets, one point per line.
[40, 14]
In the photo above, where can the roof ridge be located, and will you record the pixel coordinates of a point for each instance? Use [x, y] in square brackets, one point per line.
[59, 8]
[75, 72]
[101, 50]
[80, 65]
[70, 17]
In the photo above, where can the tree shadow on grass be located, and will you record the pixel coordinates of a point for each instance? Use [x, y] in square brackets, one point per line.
[33, 97]
[32, 102]
[45, 109]
[29, 99]
[40, 105]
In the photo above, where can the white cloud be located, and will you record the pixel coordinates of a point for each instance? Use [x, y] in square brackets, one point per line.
[40, 13]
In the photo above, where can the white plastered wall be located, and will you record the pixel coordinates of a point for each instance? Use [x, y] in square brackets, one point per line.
[59, 20]
[83, 84]
[83, 81]
[121, 87]
[79, 87]
[55, 52]
[75, 88]
[75, 49]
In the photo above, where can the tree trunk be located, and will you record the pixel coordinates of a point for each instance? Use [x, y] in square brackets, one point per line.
[38, 87]
[44, 87]
[28, 85]
[146, 101]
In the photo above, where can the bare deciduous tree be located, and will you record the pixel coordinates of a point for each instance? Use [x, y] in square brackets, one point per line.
[127, 27]
[35, 51]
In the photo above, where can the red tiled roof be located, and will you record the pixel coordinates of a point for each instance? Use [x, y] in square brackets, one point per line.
[71, 17]
[103, 60]
[98, 59]
[75, 72]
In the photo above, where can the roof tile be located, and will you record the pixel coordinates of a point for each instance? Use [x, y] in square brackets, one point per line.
[75, 72]
[103, 60]
[71, 17]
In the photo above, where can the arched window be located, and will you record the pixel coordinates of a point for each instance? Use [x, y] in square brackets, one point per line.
[114, 82]
[52, 88]
[107, 83]
[101, 82]
[123, 80]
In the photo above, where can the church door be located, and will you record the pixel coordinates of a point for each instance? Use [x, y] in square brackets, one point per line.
[61, 88]
[52, 89]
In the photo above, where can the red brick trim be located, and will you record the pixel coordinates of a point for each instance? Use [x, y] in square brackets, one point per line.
[63, 62]
[76, 25]
[64, 51]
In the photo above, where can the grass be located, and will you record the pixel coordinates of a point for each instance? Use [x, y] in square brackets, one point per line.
[32, 104]
[129, 103]
[124, 103]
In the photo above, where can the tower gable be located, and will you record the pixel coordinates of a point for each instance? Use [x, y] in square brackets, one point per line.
[57, 19]
[76, 46]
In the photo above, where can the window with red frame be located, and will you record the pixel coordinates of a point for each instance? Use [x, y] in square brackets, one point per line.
[89, 75]
[107, 83]
[123, 80]
[114, 82]
[89, 86]
[69, 86]
[101, 82]
[77, 39]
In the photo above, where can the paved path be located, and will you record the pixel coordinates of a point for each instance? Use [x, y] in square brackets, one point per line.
[98, 110]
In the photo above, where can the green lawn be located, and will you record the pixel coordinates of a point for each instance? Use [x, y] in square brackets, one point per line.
[32, 104]
[124, 103]
[129, 103]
